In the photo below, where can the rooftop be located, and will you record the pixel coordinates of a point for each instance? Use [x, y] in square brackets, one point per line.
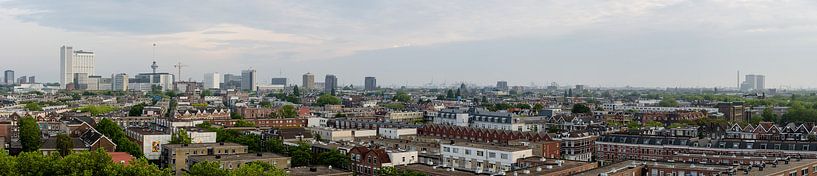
[235, 157]
[487, 146]
[201, 145]
[319, 171]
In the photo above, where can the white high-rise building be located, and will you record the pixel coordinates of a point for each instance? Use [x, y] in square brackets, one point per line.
[308, 81]
[754, 83]
[248, 80]
[72, 62]
[212, 80]
[120, 82]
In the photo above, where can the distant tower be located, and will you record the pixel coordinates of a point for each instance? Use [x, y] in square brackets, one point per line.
[154, 67]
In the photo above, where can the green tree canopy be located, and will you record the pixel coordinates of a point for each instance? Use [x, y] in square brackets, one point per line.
[33, 106]
[580, 108]
[136, 110]
[180, 137]
[288, 111]
[327, 99]
[64, 144]
[668, 102]
[244, 123]
[30, 135]
[401, 96]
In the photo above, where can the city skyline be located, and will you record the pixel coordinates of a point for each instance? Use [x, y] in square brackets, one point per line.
[610, 44]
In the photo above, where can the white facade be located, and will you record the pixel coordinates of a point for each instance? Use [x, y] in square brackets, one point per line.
[313, 122]
[515, 126]
[622, 107]
[481, 158]
[75, 62]
[342, 134]
[120, 82]
[402, 158]
[395, 133]
[212, 80]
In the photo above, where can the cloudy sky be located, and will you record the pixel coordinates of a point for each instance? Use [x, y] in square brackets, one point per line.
[660, 43]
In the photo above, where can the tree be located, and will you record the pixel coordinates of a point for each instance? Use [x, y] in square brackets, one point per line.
[275, 145]
[97, 110]
[401, 96]
[301, 155]
[450, 94]
[459, 93]
[180, 137]
[654, 124]
[136, 110]
[64, 144]
[333, 158]
[257, 168]
[33, 106]
[207, 168]
[538, 107]
[236, 115]
[244, 123]
[35, 163]
[668, 102]
[523, 106]
[30, 135]
[265, 104]
[288, 111]
[113, 132]
[8, 164]
[296, 91]
[769, 115]
[580, 108]
[327, 99]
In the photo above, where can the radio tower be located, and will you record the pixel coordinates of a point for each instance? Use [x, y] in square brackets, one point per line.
[179, 66]
[154, 66]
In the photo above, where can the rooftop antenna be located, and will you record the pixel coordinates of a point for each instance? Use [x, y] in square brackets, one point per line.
[154, 66]
[179, 66]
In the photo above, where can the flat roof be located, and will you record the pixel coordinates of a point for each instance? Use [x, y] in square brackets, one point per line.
[491, 146]
[319, 170]
[146, 131]
[235, 157]
[431, 170]
[200, 145]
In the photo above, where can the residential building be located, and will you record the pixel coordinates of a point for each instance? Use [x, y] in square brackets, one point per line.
[22, 80]
[72, 62]
[343, 134]
[151, 139]
[308, 81]
[31, 80]
[408, 116]
[369, 161]
[733, 111]
[577, 146]
[370, 84]
[234, 161]
[318, 171]
[249, 80]
[396, 133]
[330, 83]
[175, 156]
[482, 158]
[212, 80]
[455, 117]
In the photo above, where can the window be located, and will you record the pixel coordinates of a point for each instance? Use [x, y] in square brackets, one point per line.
[503, 156]
[804, 171]
[479, 153]
[456, 150]
[467, 152]
[446, 149]
[491, 155]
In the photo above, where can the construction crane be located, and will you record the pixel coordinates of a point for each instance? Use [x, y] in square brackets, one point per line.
[179, 66]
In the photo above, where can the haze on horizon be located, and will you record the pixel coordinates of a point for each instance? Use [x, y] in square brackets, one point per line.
[659, 43]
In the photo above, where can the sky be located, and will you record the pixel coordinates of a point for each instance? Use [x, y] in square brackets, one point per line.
[644, 43]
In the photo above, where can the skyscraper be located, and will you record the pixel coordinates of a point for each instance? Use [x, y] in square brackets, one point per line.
[75, 62]
[502, 85]
[120, 82]
[753, 83]
[248, 80]
[31, 80]
[212, 80]
[370, 84]
[22, 80]
[330, 83]
[279, 81]
[9, 79]
[308, 81]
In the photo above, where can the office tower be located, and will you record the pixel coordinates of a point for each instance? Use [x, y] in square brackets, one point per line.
[370, 84]
[212, 80]
[753, 83]
[147, 81]
[760, 82]
[104, 83]
[9, 77]
[120, 82]
[309, 81]
[22, 80]
[248, 80]
[279, 81]
[80, 81]
[74, 62]
[502, 85]
[31, 80]
[330, 83]
[231, 81]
